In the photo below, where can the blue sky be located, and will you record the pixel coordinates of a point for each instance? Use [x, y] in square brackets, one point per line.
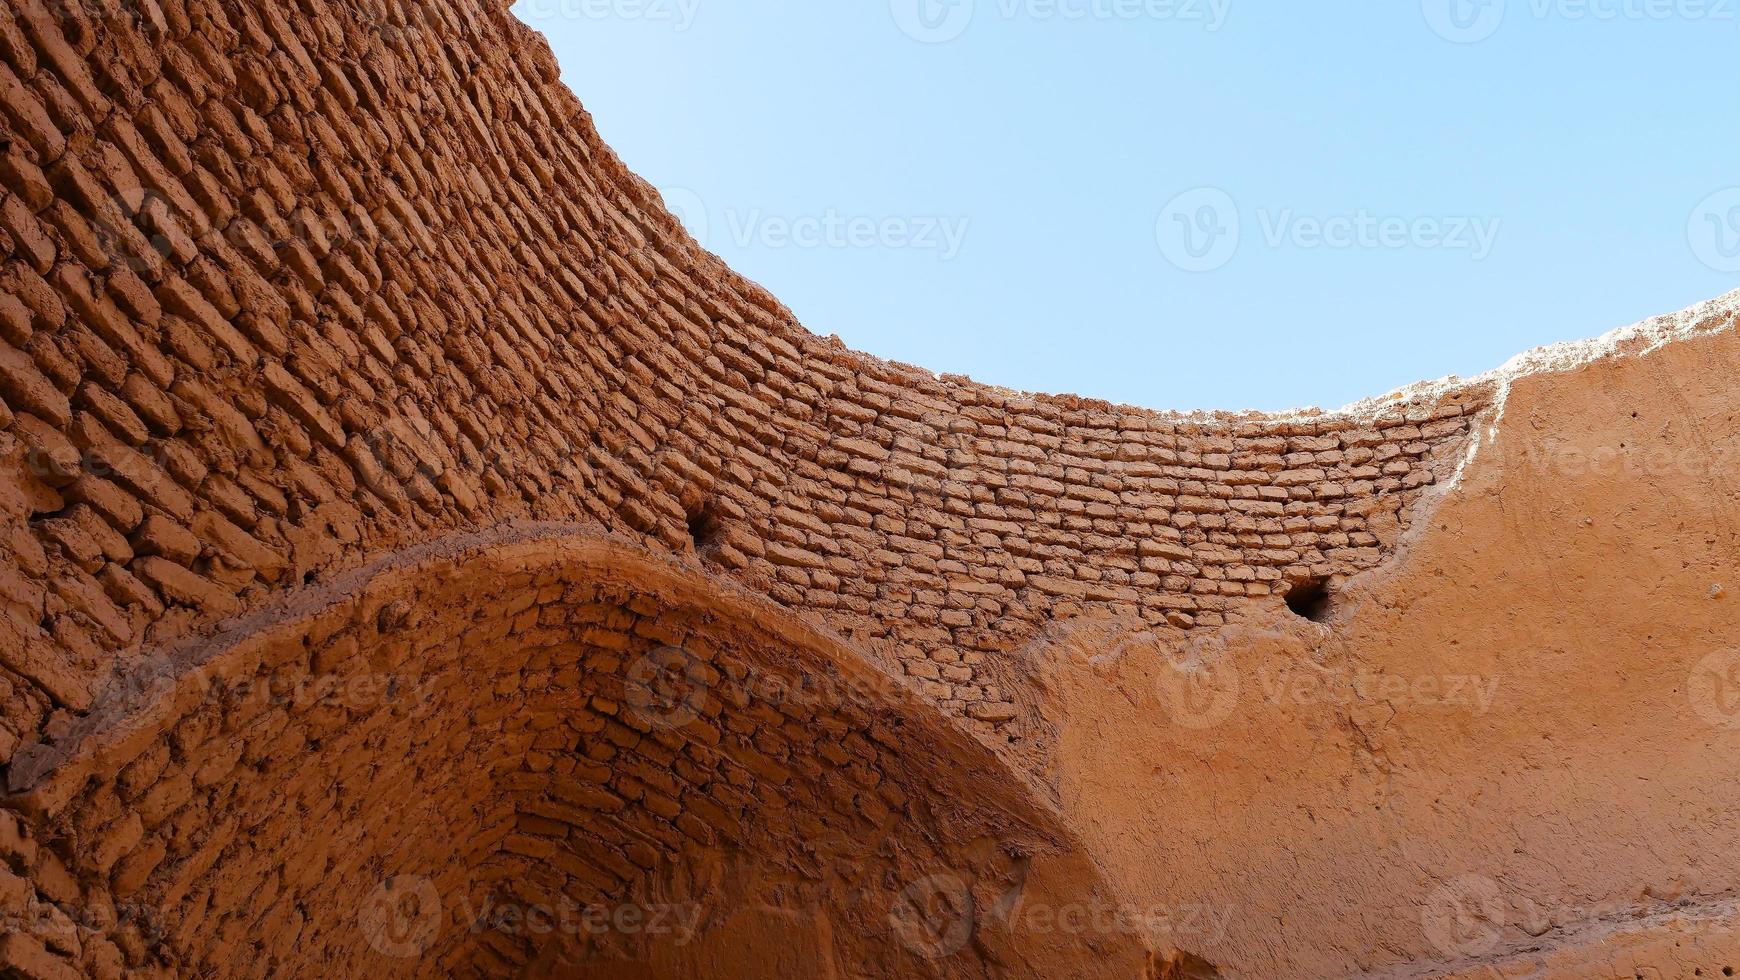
[1186, 203]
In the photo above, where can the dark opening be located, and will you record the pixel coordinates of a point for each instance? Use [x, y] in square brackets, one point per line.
[1182, 966]
[705, 528]
[1310, 599]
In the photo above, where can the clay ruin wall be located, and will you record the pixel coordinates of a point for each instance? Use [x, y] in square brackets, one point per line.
[291, 290]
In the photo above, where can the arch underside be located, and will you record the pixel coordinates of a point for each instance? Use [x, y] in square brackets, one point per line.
[593, 762]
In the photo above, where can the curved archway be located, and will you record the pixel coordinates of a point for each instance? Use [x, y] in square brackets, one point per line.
[541, 751]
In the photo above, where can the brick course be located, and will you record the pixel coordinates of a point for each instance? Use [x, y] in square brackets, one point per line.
[283, 298]
[287, 289]
[489, 723]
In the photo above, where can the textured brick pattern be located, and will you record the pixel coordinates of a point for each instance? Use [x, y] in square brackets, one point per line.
[285, 288]
[290, 287]
[473, 726]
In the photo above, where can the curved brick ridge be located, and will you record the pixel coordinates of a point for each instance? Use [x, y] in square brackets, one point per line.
[472, 721]
[287, 287]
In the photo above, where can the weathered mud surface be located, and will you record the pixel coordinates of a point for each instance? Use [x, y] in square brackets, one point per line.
[417, 557]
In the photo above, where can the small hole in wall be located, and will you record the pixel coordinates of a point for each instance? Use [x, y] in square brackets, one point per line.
[1182, 966]
[1310, 599]
[705, 528]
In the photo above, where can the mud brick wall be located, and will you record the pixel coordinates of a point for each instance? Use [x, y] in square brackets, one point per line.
[289, 289]
[466, 726]
[289, 286]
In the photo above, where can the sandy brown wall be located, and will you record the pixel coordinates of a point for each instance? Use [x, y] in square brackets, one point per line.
[1509, 753]
[288, 288]
[296, 296]
[369, 781]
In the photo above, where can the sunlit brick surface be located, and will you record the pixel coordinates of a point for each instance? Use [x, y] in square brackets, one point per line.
[291, 288]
